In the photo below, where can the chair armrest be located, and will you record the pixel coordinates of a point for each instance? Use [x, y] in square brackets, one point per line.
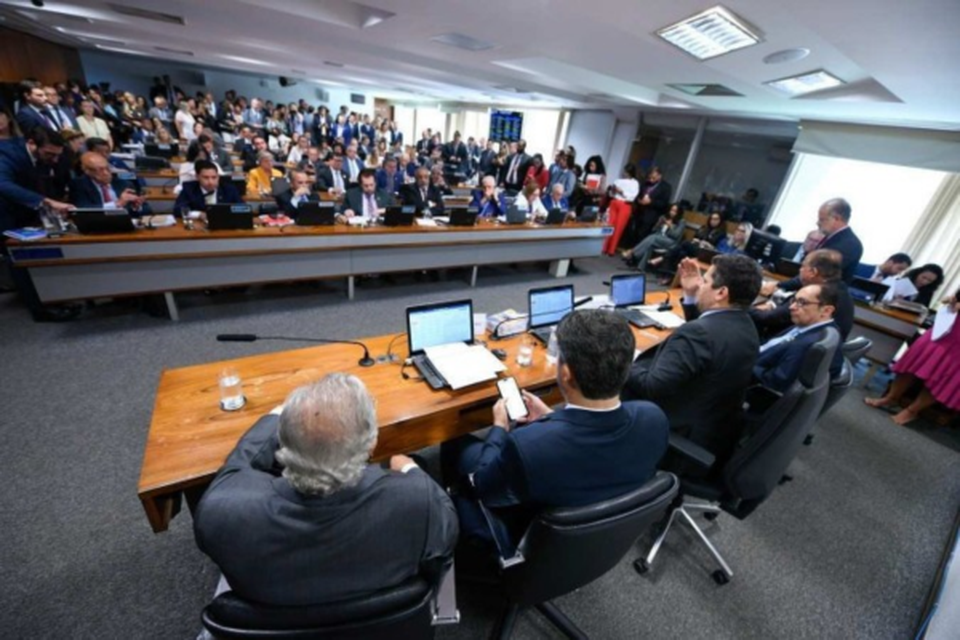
[507, 554]
[691, 451]
[759, 398]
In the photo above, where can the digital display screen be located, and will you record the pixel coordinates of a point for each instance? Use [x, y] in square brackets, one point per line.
[549, 306]
[628, 290]
[439, 324]
[505, 126]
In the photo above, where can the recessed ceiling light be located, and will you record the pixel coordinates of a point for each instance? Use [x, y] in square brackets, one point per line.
[711, 33]
[787, 55]
[805, 83]
[245, 60]
[462, 41]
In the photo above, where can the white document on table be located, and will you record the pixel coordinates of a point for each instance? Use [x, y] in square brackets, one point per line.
[667, 319]
[358, 221]
[425, 222]
[462, 365]
[943, 321]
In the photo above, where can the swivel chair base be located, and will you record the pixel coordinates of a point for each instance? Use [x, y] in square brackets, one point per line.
[711, 511]
[507, 620]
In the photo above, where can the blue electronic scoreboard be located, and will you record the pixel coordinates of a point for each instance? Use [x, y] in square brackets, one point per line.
[505, 126]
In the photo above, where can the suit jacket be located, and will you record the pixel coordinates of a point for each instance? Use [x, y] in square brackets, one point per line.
[548, 203]
[850, 248]
[346, 167]
[492, 209]
[776, 320]
[456, 155]
[396, 137]
[86, 194]
[23, 186]
[353, 200]
[29, 119]
[325, 178]
[659, 199]
[286, 205]
[521, 170]
[382, 181]
[191, 195]
[778, 367]
[410, 195]
[698, 376]
[568, 458]
[280, 547]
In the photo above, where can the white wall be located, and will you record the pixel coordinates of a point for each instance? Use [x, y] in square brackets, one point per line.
[590, 133]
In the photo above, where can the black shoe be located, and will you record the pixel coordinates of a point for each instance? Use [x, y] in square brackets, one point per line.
[63, 313]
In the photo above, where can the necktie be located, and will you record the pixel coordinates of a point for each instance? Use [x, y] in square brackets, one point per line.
[369, 205]
[105, 193]
[821, 242]
[51, 116]
[390, 183]
[512, 175]
[337, 180]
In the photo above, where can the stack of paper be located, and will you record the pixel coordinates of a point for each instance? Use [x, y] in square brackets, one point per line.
[666, 319]
[462, 365]
[425, 222]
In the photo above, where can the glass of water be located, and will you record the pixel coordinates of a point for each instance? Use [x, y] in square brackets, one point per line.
[525, 352]
[231, 390]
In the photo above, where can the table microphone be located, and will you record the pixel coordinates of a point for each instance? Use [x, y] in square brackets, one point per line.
[365, 361]
[665, 305]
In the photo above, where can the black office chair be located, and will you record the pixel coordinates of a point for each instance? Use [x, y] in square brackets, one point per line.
[760, 462]
[855, 348]
[405, 611]
[566, 548]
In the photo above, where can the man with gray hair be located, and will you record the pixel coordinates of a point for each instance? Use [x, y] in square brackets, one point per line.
[297, 516]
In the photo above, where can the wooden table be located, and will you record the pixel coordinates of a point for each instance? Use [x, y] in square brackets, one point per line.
[76, 267]
[190, 436]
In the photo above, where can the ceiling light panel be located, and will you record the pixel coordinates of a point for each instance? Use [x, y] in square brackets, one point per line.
[461, 41]
[245, 60]
[805, 83]
[711, 33]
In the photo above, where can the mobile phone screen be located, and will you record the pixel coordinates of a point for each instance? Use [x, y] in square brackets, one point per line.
[510, 391]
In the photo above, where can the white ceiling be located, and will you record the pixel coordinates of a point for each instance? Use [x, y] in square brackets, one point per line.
[901, 60]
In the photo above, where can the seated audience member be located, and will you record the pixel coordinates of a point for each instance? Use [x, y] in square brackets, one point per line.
[489, 200]
[438, 180]
[556, 199]
[310, 162]
[102, 147]
[821, 266]
[563, 175]
[243, 140]
[207, 190]
[595, 448]
[699, 375]
[300, 192]
[423, 195]
[388, 178]
[774, 230]
[260, 179]
[352, 164]
[366, 200]
[538, 173]
[622, 193]
[407, 169]
[917, 285]
[810, 243]
[934, 364]
[891, 267]
[90, 125]
[331, 178]
[199, 149]
[100, 189]
[250, 154]
[736, 244]
[164, 136]
[279, 143]
[781, 357]
[667, 234]
[529, 200]
[708, 236]
[296, 516]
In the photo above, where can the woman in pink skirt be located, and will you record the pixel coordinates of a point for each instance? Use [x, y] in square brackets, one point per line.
[936, 364]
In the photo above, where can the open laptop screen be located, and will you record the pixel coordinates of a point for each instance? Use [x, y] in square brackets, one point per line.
[628, 290]
[548, 306]
[430, 325]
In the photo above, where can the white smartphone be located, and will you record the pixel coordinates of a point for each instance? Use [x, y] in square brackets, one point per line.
[510, 391]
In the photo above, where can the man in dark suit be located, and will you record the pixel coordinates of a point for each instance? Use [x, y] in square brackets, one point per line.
[331, 177]
[296, 516]
[782, 356]
[487, 156]
[206, 190]
[593, 449]
[699, 374]
[250, 153]
[488, 199]
[63, 116]
[818, 267]
[396, 136]
[653, 201]
[311, 162]
[422, 194]
[389, 179]
[365, 200]
[299, 193]
[33, 111]
[456, 159]
[514, 170]
[99, 188]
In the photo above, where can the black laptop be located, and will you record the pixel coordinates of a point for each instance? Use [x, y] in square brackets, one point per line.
[787, 267]
[399, 216]
[868, 291]
[555, 217]
[148, 163]
[464, 217]
[628, 290]
[316, 214]
[589, 214]
[102, 221]
[546, 308]
[516, 215]
[228, 217]
[432, 325]
[158, 150]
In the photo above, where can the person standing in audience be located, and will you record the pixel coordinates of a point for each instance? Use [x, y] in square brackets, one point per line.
[296, 516]
[34, 111]
[529, 200]
[366, 201]
[331, 178]
[594, 178]
[251, 154]
[423, 195]
[891, 267]
[100, 189]
[260, 179]
[206, 190]
[781, 357]
[653, 202]
[352, 165]
[564, 176]
[160, 112]
[487, 156]
[396, 136]
[931, 364]
[538, 173]
[699, 374]
[300, 192]
[666, 235]
[820, 267]
[90, 125]
[254, 117]
[64, 117]
[622, 193]
[388, 178]
[515, 169]
[595, 448]
[185, 120]
[455, 155]
[488, 199]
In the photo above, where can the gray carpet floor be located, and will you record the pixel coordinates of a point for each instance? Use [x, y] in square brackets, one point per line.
[847, 550]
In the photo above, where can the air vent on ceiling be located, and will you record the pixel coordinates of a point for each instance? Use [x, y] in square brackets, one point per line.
[179, 52]
[707, 90]
[462, 41]
[146, 14]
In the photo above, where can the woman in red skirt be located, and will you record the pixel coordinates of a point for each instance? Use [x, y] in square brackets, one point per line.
[934, 362]
[622, 194]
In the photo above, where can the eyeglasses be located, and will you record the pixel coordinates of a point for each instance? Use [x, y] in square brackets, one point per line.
[801, 302]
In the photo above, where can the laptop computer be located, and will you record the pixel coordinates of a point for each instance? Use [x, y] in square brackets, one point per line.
[464, 217]
[546, 308]
[316, 214]
[399, 216]
[147, 163]
[432, 325]
[787, 267]
[589, 214]
[516, 215]
[158, 150]
[102, 221]
[225, 217]
[556, 216]
[628, 290]
[868, 291]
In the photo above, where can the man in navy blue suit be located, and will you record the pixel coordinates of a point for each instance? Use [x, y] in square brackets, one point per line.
[593, 449]
[99, 188]
[206, 190]
[388, 178]
[781, 357]
[33, 111]
[555, 199]
[300, 192]
[490, 202]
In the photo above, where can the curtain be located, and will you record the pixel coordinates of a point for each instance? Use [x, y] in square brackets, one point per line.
[936, 237]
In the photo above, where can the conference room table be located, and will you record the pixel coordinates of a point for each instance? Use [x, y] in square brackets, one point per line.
[171, 259]
[190, 436]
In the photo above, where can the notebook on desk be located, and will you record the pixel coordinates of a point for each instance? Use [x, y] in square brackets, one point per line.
[546, 307]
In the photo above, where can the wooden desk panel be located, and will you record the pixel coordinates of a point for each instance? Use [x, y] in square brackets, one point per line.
[190, 436]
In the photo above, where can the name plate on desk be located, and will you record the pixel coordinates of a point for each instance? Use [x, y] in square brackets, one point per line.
[36, 253]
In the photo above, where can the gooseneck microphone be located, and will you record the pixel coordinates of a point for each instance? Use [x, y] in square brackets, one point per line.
[665, 305]
[365, 361]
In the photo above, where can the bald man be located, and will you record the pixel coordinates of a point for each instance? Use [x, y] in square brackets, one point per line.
[99, 188]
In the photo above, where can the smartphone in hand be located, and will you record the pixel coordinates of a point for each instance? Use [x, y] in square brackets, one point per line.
[510, 392]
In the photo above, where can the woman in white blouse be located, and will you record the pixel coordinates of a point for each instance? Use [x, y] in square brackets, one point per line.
[529, 200]
[92, 126]
[185, 121]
